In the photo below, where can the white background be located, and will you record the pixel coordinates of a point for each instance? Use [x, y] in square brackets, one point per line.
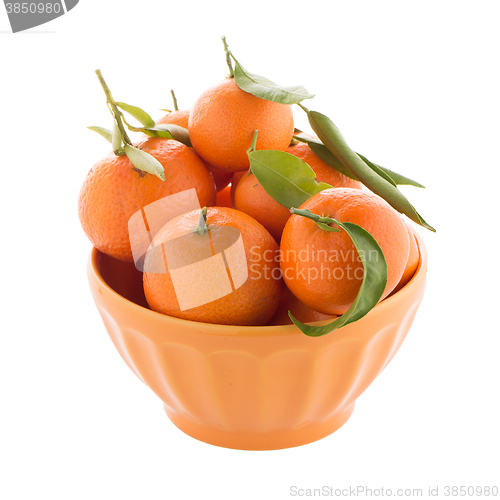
[412, 85]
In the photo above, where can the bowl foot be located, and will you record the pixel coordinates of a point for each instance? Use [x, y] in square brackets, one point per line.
[275, 440]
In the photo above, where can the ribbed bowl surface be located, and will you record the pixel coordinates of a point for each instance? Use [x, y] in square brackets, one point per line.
[265, 387]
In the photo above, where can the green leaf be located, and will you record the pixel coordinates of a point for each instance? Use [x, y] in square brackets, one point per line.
[322, 152]
[144, 161]
[286, 178]
[371, 289]
[379, 171]
[266, 89]
[326, 227]
[331, 137]
[139, 114]
[169, 131]
[104, 132]
[116, 139]
[398, 179]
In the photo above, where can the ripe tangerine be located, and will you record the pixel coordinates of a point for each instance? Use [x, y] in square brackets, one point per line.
[181, 118]
[199, 264]
[322, 268]
[224, 119]
[114, 190]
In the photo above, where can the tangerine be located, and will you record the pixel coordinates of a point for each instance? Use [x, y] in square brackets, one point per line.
[251, 198]
[412, 263]
[322, 268]
[114, 190]
[224, 198]
[235, 179]
[178, 117]
[222, 179]
[223, 121]
[323, 171]
[222, 275]
[181, 118]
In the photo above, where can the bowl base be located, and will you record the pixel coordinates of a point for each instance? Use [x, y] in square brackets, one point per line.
[275, 440]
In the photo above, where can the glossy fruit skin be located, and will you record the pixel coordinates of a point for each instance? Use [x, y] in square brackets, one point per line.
[224, 198]
[252, 303]
[222, 179]
[235, 179]
[114, 190]
[251, 198]
[322, 268]
[223, 121]
[412, 263]
[181, 118]
[324, 173]
[178, 117]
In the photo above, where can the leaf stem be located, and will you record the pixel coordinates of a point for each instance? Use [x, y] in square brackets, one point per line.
[117, 115]
[131, 127]
[228, 58]
[175, 100]
[303, 107]
[298, 138]
[316, 218]
[201, 228]
[254, 142]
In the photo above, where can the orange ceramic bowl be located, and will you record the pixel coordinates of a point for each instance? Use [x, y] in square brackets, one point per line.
[244, 387]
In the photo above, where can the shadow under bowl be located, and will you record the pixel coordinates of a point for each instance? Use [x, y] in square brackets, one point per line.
[245, 387]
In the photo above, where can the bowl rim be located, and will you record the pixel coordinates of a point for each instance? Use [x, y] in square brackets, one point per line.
[252, 330]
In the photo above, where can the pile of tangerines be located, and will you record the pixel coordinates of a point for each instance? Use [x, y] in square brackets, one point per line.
[333, 257]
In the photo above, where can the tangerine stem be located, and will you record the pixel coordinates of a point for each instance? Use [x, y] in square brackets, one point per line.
[201, 228]
[228, 57]
[254, 142]
[322, 221]
[175, 100]
[303, 107]
[117, 115]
